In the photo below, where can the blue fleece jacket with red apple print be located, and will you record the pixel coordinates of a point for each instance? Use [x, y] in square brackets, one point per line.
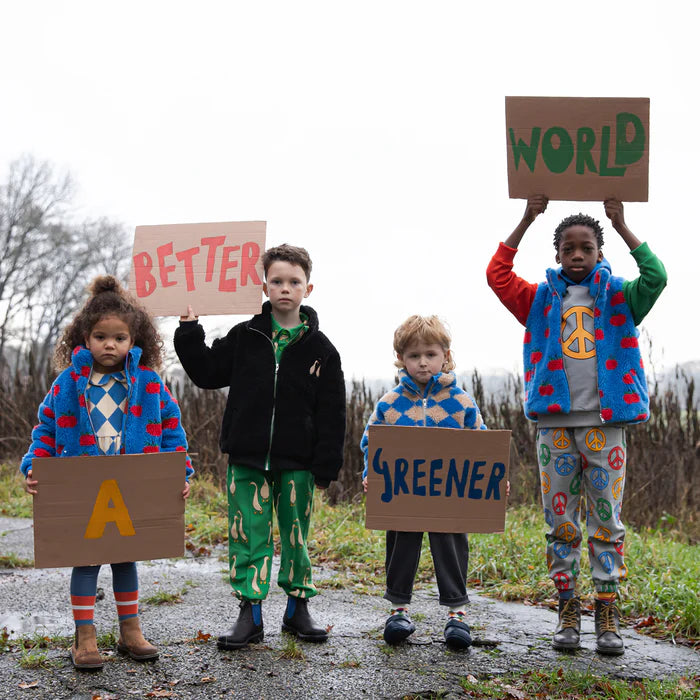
[152, 421]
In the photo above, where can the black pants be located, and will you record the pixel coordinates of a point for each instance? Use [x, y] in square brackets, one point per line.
[450, 552]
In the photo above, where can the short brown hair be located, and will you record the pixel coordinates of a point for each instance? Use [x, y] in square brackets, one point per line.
[288, 253]
[428, 329]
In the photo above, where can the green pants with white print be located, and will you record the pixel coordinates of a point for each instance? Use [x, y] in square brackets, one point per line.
[251, 494]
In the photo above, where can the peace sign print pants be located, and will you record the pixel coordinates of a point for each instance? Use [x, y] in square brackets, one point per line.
[251, 494]
[585, 462]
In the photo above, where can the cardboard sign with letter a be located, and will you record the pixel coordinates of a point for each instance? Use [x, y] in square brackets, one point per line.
[103, 510]
[578, 148]
[217, 268]
[436, 479]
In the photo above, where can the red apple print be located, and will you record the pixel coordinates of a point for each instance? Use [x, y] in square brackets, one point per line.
[162, 405]
[67, 420]
[59, 449]
[41, 452]
[642, 416]
[607, 286]
[76, 350]
[151, 448]
[56, 390]
[180, 448]
[535, 357]
[154, 429]
[135, 410]
[641, 363]
[170, 423]
[133, 379]
[632, 397]
[81, 400]
[48, 440]
[627, 378]
[617, 298]
[87, 439]
[554, 408]
[596, 277]
[153, 388]
[527, 337]
[74, 376]
[546, 332]
[629, 342]
[597, 312]
[85, 370]
[48, 412]
[610, 363]
[555, 364]
[546, 390]
[529, 375]
[599, 334]
[618, 320]
[547, 309]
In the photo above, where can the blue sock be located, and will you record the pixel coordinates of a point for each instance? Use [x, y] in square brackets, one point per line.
[291, 606]
[566, 595]
[256, 609]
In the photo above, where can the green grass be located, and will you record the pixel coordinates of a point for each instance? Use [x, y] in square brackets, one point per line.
[576, 685]
[15, 502]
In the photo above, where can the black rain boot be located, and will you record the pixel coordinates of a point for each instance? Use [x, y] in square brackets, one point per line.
[297, 621]
[248, 628]
[607, 629]
[398, 626]
[567, 636]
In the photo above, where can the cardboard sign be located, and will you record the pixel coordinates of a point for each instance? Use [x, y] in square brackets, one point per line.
[436, 479]
[578, 148]
[101, 510]
[217, 268]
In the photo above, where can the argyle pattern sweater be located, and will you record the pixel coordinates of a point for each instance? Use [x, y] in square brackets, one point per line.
[622, 386]
[443, 404]
[152, 422]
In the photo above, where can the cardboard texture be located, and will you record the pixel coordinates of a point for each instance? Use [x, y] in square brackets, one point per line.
[87, 507]
[217, 268]
[578, 148]
[436, 479]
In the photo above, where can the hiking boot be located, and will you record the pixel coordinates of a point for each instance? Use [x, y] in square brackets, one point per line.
[607, 629]
[397, 628]
[567, 636]
[248, 628]
[298, 621]
[457, 634]
[132, 642]
[84, 654]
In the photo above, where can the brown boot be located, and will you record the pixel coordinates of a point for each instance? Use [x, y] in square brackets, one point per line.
[607, 628]
[84, 653]
[132, 642]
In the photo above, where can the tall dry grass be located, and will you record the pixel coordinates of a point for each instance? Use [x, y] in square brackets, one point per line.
[663, 475]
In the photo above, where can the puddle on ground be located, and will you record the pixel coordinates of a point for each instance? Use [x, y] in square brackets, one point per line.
[20, 625]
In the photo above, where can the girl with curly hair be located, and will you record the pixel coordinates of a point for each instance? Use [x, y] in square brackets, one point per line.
[102, 403]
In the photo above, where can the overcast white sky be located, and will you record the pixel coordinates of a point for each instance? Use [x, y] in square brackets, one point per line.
[372, 133]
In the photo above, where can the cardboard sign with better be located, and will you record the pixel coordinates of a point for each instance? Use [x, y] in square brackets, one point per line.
[578, 148]
[217, 268]
[436, 479]
[102, 510]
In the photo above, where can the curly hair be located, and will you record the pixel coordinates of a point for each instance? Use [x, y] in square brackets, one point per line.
[578, 220]
[107, 297]
[288, 253]
[426, 329]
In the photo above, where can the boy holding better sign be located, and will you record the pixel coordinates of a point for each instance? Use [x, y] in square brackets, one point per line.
[584, 380]
[283, 430]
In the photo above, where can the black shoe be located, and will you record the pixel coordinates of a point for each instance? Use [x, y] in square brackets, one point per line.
[607, 629]
[297, 621]
[567, 636]
[457, 634]
[246, 630]
[397, 628]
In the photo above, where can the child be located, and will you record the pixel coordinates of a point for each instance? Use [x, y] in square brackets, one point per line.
[106, 383]
[584, 380]
[427, 395]
[283, 430]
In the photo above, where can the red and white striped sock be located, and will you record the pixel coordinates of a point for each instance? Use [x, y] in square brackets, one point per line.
[83, 609]
[127, 604]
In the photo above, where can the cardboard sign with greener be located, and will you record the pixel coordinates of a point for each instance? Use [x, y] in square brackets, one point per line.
[436, 479]
[217, 268]
[578, 148]
[101, 510]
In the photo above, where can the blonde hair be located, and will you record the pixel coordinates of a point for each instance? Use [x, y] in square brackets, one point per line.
[427, 329]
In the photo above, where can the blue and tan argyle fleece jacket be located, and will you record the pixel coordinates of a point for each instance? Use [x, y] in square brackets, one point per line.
[442, 405]
[152, 422]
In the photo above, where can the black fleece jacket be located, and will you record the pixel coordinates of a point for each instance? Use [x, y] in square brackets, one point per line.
[297, 417]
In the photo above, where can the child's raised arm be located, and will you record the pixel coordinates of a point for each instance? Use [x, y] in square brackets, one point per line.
[536, 205]
[615, 211]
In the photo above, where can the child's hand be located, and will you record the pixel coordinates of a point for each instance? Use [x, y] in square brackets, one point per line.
[186, 491]
[615, 211]
[507, 489]
[190, 314]
[30, 484]
[364, 484]
[536, 205]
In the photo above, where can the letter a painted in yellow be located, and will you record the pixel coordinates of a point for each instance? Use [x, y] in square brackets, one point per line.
[102, 513]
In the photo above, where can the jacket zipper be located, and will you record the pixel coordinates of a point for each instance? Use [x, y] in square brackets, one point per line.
[274, 398]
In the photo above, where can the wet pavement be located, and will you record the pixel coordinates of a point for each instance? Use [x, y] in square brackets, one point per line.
[354, 663]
